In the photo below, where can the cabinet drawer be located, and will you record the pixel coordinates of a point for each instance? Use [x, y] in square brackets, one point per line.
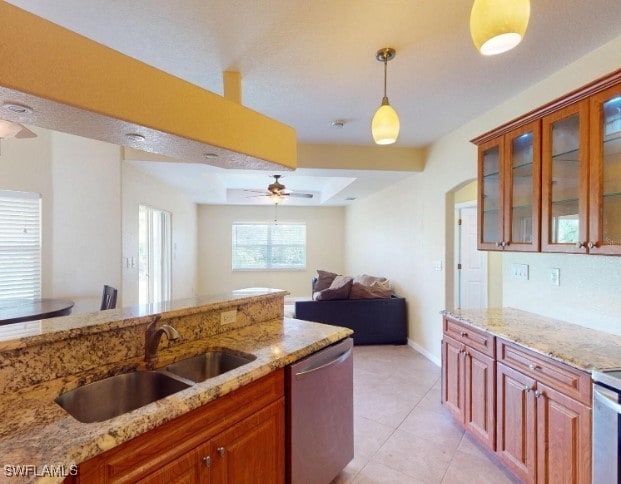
[563, 378]
[475, 338]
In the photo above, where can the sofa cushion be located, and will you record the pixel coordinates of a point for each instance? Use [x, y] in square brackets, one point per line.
[324, 279]
[339, 289]
[377, 290]
[367, 280]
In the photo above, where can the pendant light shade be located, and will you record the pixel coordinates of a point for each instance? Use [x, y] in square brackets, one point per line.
[385, 123]
[8, 129]
[497, 26]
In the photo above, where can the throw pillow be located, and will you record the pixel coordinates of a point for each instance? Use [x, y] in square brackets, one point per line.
[377, 290]
[324, 279]
[339, 289]
[368, 280]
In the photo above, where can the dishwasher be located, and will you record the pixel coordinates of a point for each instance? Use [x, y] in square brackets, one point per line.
[606, 426]
[320, 414]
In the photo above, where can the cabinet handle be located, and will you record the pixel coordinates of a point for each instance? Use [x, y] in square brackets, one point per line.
[580, 245]
[463, 334]
[538, 394]
[534, 367]
[207, 461]
[499, 243]
[592, 245]
[527, 389]
[221, 451]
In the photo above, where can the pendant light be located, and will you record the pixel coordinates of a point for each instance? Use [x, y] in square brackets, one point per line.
[385, 124]
[497, 26]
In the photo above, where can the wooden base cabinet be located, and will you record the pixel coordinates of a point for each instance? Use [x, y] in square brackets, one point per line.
[468, 389]
[544, 422]
[239, 437]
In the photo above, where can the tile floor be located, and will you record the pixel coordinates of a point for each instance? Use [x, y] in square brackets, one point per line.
[401, 432]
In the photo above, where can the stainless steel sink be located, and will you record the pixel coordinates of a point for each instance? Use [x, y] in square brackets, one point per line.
[209, 364]
[117, 395]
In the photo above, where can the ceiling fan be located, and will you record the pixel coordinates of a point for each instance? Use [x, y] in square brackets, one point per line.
[277, 191]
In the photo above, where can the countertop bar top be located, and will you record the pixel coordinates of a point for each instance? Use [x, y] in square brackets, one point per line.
[21, 335]
[47, 436]
[583, 348]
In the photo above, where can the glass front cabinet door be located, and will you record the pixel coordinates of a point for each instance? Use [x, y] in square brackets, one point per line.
[509, 195]
[605, 173]
[565, 181]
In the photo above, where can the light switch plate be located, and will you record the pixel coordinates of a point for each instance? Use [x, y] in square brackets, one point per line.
[437, 265]
[519, 271]
[555, 276]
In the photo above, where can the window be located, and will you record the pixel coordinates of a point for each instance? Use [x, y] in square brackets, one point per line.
[154, 255]
[20, 245]
[269, 246]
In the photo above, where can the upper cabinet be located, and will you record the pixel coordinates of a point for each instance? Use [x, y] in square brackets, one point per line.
[605, 173]
[509, 190]
[551, 180]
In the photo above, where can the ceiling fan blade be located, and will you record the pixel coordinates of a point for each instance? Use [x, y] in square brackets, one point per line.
[25, 133]
[299, 195]
[259, 191]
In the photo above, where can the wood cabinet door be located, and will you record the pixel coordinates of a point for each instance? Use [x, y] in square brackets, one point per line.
[516, 422]
[490, 195]
[565, 179]
[252, 451]
[605, 173]
[480, 397]
[191, 468]
[563, 438]
[522, 188]
[453, 378]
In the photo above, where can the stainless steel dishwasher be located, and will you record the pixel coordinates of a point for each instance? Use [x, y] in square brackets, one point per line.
[607, 427]
[320, 414]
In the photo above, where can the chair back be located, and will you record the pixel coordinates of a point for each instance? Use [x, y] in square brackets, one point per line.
[108, 299]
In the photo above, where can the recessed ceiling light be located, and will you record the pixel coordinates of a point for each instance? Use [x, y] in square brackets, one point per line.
[337, 123]
[18, 108]
[210, 155]
[135, 137]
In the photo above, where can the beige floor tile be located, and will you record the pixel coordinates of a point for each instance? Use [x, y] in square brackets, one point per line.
[351, 470]
[387, 410]
[375, 473]
[416, 457]
[472, 464]
[434, 425]
[369, 436]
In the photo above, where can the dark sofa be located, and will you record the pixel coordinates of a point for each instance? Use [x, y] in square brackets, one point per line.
[374, 321]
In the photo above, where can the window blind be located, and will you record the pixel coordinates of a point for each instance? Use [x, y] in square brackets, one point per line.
[20, 245]
[269, 246]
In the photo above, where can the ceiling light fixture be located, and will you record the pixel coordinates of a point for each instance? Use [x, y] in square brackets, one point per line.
[18, 108]
[337, 123]
[385, 124]
[497, 26]
[135, 137]
[8, 129]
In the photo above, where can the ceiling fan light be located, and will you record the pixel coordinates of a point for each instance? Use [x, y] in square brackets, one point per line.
[497, 26]
[8, 129]
[385, 125]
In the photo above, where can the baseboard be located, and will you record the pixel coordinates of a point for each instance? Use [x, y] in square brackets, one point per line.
[431, 357]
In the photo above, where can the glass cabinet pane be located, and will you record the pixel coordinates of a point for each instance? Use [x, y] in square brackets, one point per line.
[491, 195]
[611, 172]
[565, 184]
[522, 189]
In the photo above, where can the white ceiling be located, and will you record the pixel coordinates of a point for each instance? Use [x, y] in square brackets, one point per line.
[307, 63]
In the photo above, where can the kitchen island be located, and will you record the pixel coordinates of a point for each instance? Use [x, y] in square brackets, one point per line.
[76, 350]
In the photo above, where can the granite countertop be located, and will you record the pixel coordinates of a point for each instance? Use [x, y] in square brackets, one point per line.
[583, 348]
[21, 335]
[36, 431]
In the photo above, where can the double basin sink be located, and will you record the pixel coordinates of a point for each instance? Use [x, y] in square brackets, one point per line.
[120, 394]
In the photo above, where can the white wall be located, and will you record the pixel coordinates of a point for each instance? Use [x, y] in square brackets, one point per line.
[402, 230]
[139, 188]
[86, 231]
[325, 247]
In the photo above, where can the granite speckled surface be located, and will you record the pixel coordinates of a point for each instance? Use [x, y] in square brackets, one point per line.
[36, 431]
[583, 348]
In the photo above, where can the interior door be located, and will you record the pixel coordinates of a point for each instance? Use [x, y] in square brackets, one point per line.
[472, 268]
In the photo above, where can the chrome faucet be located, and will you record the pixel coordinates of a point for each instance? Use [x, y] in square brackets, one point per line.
[153, 336]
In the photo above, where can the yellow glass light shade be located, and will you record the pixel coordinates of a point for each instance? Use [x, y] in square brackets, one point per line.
[385, 125]
[497, 26]
[8, 129]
